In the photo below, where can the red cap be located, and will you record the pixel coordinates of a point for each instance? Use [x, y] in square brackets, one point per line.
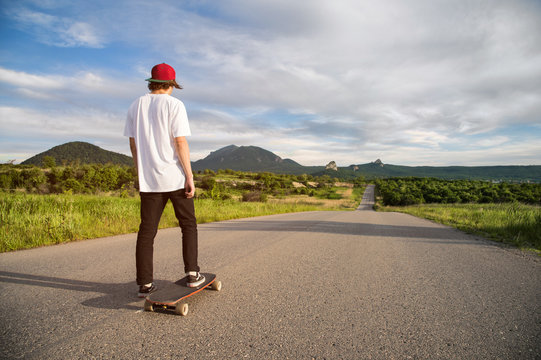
[162, 73]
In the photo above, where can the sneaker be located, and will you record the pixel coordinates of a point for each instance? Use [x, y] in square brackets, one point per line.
[194, 279]
[146, 290]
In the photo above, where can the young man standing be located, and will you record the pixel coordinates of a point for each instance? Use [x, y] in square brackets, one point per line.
[157, 125]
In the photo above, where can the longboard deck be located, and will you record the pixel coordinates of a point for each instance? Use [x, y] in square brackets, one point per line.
[170, 297]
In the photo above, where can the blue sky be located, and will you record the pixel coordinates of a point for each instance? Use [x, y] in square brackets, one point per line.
[422, 82]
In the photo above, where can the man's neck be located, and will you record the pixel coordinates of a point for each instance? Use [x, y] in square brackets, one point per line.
[162, 91]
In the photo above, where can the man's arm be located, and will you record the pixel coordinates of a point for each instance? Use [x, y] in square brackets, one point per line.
[183, 152]
[133, 149]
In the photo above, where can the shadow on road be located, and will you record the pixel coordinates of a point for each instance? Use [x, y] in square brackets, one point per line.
[409, 233]
[114, 296]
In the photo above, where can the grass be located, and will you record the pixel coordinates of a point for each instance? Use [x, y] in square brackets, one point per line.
[29, 220]
[511, 223]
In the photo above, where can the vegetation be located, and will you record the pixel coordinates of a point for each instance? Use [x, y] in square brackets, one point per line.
[122, 180]
[41, 206]
[511, 223]
[56, 203]
[30, 220]
[80, 179]
[505, 212]
[410, 191]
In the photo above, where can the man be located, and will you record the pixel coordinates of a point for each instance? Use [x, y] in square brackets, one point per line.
[157, 125]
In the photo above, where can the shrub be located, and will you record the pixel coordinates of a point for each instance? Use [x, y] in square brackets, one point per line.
[207, 183]
[254, 196]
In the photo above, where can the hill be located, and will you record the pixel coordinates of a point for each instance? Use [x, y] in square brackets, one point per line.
[251, 158]
[82, 152]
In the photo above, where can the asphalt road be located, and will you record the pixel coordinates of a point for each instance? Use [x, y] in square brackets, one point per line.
[316, 285]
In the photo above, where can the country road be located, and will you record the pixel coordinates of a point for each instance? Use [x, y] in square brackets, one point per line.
[316, 285]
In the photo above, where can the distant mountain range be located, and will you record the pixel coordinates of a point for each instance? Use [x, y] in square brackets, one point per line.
[256, 159]
[494, 173]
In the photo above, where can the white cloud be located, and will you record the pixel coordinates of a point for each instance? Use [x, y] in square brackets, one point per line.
[20, 122]
[493, 141]
[352, 80]
[22, 79]
[80, 88]
[55, 30]
[364, 57]
[81, 34]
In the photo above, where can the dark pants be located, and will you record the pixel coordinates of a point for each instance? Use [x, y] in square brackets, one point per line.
[152, 205]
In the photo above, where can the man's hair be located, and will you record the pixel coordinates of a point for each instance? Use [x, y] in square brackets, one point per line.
[152, 85]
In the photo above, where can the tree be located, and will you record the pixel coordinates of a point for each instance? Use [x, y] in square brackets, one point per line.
[49, 162]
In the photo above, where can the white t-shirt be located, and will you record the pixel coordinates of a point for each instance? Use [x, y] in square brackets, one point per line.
[154, 121]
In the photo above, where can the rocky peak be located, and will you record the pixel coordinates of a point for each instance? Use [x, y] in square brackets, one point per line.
[331, 166]
[378, 162]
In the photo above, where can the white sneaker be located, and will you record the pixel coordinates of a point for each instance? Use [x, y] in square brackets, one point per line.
[195, 279]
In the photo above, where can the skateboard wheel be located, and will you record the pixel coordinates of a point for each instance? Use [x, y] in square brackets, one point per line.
[216, 285]
[181, 309]
[148, 305]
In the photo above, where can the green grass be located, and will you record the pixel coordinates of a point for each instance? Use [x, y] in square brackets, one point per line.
[357, 194]
[511, 223]
[29, 220]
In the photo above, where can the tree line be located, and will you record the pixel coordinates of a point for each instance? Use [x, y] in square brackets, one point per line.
[120, 179]
[414, 190]
[83, 179]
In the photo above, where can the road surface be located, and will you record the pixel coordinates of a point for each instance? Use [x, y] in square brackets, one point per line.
[316, 285]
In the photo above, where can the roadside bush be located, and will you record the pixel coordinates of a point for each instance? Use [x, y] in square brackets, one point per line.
[207, 183]
[5, 181]
[254, 196]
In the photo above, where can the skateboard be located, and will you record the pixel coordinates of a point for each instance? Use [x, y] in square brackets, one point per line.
[171, 298]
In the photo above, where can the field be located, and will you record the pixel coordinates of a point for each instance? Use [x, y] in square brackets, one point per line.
[55, 204]
[511, 223]
[31, 220]
[42, 206]
[505, 212]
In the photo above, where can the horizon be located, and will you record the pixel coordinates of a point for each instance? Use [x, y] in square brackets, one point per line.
[320, 165]
[427, 83]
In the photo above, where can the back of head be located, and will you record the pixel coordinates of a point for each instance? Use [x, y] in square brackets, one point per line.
[163, 76]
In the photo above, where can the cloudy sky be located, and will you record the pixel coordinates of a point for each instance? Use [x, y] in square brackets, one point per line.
[417, 82]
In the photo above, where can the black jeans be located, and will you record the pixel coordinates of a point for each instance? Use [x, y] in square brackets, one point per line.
[152, 205]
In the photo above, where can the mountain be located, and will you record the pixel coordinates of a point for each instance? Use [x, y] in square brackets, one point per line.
[494, 173]
[250, 158]
[82, 152]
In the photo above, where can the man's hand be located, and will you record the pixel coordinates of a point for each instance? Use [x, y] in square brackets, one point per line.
[189, 188]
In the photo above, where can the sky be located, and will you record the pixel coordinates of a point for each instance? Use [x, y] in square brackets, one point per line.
[417, 82]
